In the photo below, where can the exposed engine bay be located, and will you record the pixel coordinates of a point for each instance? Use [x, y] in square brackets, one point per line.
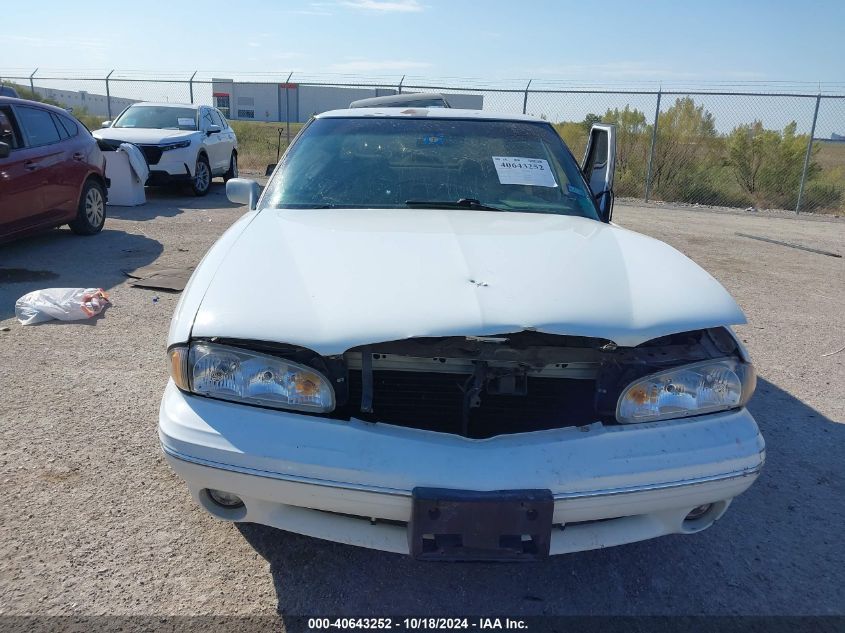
[483, 386]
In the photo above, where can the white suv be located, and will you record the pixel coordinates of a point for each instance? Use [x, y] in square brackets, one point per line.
[181, 142]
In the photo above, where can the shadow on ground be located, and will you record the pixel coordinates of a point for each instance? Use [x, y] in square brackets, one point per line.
[172, 200]
[776, 551]
[60, 259]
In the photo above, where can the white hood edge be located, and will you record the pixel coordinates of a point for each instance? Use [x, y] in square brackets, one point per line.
[334, 279]
[143, 136]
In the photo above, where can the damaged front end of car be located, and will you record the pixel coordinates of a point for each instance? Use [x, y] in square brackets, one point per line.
[481, 386]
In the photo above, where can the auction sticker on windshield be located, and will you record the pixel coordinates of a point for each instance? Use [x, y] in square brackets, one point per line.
[515, 170]
[185, 121]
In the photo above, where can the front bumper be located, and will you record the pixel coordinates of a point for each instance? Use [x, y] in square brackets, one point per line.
[336, 480]
[176, 165]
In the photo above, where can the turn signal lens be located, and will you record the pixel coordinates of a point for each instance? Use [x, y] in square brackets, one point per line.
[306, 385]
[689, 390]
[179, 366]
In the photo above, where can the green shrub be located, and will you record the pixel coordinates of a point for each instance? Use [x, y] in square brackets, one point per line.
[258, 141]
[768, 164]
[819, 196]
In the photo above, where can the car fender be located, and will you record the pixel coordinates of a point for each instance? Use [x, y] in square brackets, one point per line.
[196, 151]
[183, 317]
[95, 175]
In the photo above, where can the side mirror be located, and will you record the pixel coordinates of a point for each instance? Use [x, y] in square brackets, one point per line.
[5, 150]
[243, 191]
[105, 124]
[212, 129]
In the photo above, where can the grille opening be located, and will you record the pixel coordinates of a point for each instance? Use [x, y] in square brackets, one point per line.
[151, 153]
[434, 402]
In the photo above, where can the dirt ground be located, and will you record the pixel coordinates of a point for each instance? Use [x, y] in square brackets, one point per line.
[94, 522]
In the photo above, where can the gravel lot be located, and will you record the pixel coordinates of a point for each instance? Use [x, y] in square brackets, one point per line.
[96, 523]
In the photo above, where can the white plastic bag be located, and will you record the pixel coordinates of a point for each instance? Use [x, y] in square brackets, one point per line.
[65, 304]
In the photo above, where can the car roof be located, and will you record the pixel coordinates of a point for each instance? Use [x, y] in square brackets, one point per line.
[28, 102]
[160, 104]
[386, 100]
[429, 113]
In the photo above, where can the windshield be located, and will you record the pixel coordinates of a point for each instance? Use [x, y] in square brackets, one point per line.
[374, 162]
[158, 117]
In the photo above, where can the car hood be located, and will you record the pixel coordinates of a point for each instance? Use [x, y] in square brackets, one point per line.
[336, 278]
[142, 135]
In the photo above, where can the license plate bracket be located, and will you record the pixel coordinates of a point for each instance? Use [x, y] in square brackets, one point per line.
[467, 525]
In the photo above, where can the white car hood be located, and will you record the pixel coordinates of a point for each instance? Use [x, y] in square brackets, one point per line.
[336, 278]
[144, 136]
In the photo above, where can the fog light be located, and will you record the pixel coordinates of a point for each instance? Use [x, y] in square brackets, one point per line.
[698, 512]
[225, 499]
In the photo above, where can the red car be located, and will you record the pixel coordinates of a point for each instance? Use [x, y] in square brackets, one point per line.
[51, 171]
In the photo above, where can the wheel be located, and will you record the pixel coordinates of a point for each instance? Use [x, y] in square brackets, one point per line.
[233, 168]
[91, 215]
[202, 177]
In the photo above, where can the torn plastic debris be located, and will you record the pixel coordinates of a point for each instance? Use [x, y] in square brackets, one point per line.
[65, 304]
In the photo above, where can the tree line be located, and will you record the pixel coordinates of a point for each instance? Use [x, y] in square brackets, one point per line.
[694, 163]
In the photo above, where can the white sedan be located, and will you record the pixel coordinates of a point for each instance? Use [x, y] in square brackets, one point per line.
[425, 336]
[181, 142]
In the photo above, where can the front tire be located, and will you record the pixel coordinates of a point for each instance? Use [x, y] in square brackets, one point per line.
[202, 177]
[233, 168]
[91, 214]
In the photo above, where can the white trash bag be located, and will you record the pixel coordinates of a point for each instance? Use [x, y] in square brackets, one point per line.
[65, 304]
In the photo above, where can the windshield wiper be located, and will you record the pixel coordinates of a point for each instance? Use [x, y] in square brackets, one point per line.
[308, 205]
[461, 203]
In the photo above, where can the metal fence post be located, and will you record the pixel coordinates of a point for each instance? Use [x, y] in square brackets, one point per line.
[653, 144]
[525, 98]
[31, 82]
[191, 85]
[108, 94]
[287, 106]
[808, 155]
[399, 87]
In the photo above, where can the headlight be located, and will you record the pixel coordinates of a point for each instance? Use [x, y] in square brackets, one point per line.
[180, 145]
[231, 373]
[689, 390]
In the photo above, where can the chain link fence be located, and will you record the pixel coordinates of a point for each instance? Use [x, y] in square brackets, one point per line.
[782, 150]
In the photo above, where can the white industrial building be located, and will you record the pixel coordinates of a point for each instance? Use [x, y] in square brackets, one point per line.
[298, 102]
[87, 102]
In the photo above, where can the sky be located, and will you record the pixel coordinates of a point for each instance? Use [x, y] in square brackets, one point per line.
[749, 41]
